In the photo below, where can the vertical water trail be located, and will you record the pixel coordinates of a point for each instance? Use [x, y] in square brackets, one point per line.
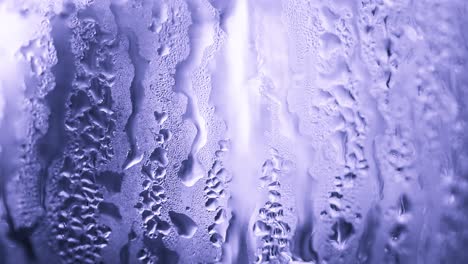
[137, 94]
[51, 145]
[240, 106]
[237, 91]
[21, 208]
[200, 38]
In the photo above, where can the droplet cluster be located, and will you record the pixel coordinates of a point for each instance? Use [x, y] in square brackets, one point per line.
[272, 231]
[216, 183]
[89, 123]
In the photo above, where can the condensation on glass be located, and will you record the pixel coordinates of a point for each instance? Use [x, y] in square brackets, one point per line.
[233, 131]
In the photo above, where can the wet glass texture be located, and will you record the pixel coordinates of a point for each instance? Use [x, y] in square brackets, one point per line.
[234, 131]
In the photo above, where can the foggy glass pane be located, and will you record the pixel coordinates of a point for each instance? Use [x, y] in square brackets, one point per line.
[234, 131]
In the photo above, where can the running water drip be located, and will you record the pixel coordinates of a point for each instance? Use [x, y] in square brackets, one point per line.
[233, 131]
[241, 108]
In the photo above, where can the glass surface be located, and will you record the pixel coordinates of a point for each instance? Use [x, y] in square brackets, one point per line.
[234, 131]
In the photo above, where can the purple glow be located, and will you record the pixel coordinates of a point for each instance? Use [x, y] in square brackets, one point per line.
[233, 131]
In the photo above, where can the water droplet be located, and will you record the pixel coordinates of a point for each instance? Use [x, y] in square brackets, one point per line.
[342, 232]
[184, 225]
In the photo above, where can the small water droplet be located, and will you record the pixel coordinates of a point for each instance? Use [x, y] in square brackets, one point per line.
[184, 225]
